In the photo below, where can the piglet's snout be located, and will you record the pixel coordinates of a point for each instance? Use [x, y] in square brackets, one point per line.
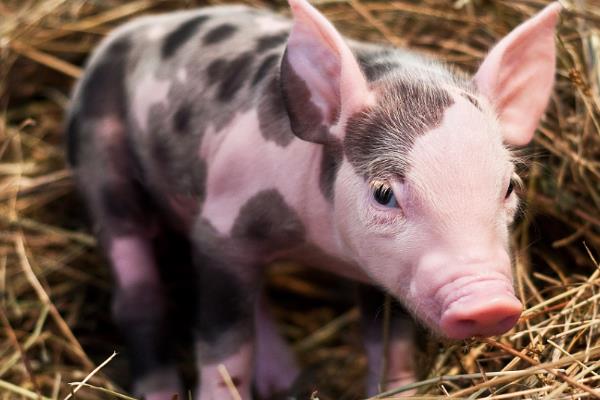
[485, 307]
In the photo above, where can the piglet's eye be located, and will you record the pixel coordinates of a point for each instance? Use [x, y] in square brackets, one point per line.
[511, 187]
[384, 195]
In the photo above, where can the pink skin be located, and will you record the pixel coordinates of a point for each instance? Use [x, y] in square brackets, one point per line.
[231, 184]
[161, 395]
[149, 92]
[270, 25]
[166, 379]
[133, 250]
[444, 251]
[399, 369]
[212, 384]
[518, 66]
[454, 249]
[450, 230]
[320, 56]
[275, 366]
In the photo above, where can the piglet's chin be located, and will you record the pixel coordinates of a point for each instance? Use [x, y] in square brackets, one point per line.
[488, 310]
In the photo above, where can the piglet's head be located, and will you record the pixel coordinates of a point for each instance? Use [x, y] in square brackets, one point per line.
[423, 197]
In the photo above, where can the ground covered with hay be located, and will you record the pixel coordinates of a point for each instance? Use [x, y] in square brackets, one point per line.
[55, 288]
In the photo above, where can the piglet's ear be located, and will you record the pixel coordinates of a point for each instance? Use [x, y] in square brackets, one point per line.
[321, 81]
[518, 74]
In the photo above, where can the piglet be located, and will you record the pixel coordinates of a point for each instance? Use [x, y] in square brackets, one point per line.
[226, 138]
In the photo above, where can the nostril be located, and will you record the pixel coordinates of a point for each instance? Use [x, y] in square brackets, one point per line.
[466, 323]
[509, 320]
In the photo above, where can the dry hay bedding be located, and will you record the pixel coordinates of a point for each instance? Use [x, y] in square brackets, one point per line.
[55, 287]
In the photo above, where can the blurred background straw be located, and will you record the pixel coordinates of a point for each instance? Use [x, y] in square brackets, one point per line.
[55, 288]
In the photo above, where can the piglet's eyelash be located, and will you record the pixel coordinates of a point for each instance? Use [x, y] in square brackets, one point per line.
[380, 186]
[383, 194]
[516, 182]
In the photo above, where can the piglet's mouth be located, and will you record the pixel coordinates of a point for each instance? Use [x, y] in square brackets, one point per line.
[480, 308]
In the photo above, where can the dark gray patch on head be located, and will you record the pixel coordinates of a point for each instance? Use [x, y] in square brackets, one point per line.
[379, 138]
[331, 160]
[265, 67]
[269, 42]
[372, 64]
[306, 120]
[230, 76]
[219, 33]
[103, 89]
[471, 100]
[377, 70]
[181, 119]
[273, 121]
[177, 38]
[267, 220]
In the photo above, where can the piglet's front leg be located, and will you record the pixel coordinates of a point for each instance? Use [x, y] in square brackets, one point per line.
[227, 291]
[393, 365]
[226, 376]
[276, 366]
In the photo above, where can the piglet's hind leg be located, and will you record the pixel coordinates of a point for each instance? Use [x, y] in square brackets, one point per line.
[139, 310]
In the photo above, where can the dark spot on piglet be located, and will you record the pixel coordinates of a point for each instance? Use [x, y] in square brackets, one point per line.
[330, 164]
[377, 70]
[268, 42]
[214, 71]
[103, 91]
[181, 119]
[177, 38]
[272, 118]
[223, 299]
[267, 219]
[233, 76]
[373, 66]
[265, 67]
[161, 152]
[220, 283]
[219, 33]
[378, 137]
[306, 119]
